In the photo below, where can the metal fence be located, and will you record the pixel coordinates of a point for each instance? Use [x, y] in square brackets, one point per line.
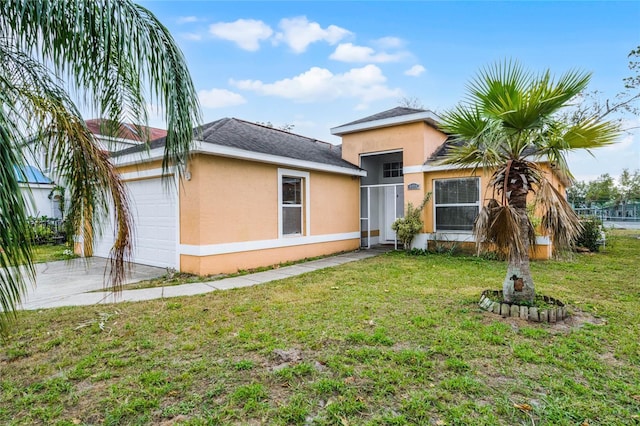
[619, 213]
[47, 230]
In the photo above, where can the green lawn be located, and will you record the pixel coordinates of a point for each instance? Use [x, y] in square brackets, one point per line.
[394, 340]
[51, 253]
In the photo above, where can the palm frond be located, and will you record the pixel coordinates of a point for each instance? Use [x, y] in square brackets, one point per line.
[499, 226]
[15, 247]
[35, 103]
[558, 218]
[112, 53]
[591, 134]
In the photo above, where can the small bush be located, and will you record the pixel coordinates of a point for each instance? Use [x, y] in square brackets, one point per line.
[411, 224]
[592, 236]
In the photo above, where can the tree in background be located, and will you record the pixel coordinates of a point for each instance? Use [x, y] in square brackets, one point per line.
[508, 123]
[115, 58]
[602, 190]
[626, 102]
[606, 191]
[577, 194]
[412, 102]
[630, 186]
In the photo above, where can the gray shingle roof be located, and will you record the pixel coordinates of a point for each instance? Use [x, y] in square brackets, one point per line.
[443, 150]
[393, 112]
[240, 134]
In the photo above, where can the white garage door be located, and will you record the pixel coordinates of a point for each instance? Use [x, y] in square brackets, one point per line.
[154, 213]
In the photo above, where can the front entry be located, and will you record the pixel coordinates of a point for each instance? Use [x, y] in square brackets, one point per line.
[381, 196]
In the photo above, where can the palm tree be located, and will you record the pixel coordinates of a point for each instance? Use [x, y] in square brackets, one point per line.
[114, 58]
[509, 127]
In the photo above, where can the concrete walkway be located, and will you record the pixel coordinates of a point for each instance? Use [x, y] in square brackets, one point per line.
[77, 292]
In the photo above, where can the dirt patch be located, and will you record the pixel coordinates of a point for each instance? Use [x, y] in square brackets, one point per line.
[576, 320]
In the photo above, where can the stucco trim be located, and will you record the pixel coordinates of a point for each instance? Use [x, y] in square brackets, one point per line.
[225, 248]
[143, 174]
[374, 153]
[426, 116]
[412, 169]
[421, 239]
[432, 168]
[225, 151]
[36, 185]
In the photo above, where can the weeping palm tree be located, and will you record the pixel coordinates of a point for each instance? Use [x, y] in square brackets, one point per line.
[110, 57]
[509, 127]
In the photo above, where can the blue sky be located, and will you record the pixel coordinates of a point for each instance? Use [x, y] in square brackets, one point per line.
[317, 65]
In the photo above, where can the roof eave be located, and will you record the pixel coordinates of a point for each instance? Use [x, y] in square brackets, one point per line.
[427, 116]
[225, 151]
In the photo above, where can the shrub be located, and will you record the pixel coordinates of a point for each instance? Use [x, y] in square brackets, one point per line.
[410, 225]
[592, 236]
[46, 230]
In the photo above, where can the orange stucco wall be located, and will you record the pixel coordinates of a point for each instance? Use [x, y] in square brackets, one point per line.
[416, 140]
[234, 201]
[228, 200]
[335, 203]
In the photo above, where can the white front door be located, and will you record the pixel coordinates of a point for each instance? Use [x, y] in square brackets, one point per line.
[389, 212]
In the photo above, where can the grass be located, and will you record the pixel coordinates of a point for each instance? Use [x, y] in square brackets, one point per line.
[172, 278]
[392, 340]
[51, 253]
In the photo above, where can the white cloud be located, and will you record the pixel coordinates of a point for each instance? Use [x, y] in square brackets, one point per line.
[415, 70]
[365, 84]
[187, 19]
[389, 43]
[246, 33]
[191, 36]
[348, 52]
[220, 98]
[298, 33]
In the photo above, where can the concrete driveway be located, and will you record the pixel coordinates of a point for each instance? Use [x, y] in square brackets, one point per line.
[59, 283]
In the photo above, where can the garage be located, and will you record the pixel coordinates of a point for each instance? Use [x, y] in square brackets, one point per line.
[154, 209]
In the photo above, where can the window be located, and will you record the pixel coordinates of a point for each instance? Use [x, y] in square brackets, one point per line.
[293, 196]
[291, 205]
[457, 203]
[391, 170]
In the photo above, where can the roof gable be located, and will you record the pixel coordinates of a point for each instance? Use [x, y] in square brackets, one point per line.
[393, 112]
[391, 117]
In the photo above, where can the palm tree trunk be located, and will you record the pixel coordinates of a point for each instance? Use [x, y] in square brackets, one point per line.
[518, 284]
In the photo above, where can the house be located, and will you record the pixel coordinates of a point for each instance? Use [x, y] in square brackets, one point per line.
[256, 196]
[400, 149]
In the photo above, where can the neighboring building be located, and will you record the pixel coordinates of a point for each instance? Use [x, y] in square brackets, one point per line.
[123, 136]
[37, 188]
[34, 176]
[256, 196]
